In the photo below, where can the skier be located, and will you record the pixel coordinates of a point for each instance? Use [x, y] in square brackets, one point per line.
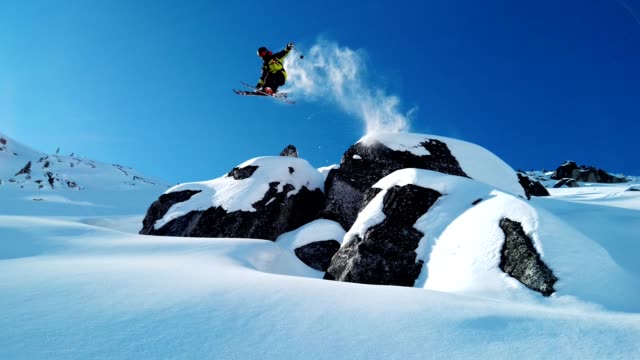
[273, 72]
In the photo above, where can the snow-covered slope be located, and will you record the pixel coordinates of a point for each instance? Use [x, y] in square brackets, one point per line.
[32, 180]
[90, 287]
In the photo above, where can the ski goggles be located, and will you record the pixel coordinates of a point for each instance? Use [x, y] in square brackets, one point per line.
[262, 53]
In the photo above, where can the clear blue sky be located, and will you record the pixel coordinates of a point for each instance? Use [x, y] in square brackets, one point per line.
[147, 84]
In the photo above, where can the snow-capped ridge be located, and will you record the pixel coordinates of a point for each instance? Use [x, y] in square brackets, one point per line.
[29, 169]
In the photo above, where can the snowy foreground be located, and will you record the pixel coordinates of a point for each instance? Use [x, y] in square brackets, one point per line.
[83, 284]
[78, 287]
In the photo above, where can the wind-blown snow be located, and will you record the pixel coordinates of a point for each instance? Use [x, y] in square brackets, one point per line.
[240, 195]
[339, 74]
[477, 162]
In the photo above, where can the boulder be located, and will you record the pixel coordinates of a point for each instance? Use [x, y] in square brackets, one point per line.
[520, 260]
[566, 182]
[584, 174]
[532, 187]
[564, 171]
[593, 175]
[317, 255]
[314, 243]
[377, 156]
[290, 150]
[262, 198]
[385, 254]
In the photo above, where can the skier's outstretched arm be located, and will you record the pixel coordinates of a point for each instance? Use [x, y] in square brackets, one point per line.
[283, 54]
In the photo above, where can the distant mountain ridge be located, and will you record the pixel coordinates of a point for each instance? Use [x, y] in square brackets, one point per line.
[569, 174]
[29, 169]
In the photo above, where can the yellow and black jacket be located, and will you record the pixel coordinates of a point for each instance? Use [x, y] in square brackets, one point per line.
[273, 64]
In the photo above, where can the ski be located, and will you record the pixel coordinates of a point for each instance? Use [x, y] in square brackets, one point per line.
[255, 93]
[279, 96]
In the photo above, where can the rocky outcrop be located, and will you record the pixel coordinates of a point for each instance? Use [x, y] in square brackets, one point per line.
[363, 165]
[521, 261]
[290, 150]
[564, 171]
[26, 170]
[532, 187]
[276, 213]
[314, 243]
[566, 182]
[584, 174]
[317, 255]
[384, 254]
[285, 205]
[593, 175]
[160, 207]
[242, 173]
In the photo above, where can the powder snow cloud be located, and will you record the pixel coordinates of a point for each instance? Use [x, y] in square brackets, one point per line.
[339, 74]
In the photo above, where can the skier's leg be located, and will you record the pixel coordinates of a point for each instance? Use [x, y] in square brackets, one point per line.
[275, 81]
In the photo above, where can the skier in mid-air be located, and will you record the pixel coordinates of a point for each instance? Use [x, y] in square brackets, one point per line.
[273, 73]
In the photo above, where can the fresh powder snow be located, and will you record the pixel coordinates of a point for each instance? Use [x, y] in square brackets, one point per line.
[78, 281]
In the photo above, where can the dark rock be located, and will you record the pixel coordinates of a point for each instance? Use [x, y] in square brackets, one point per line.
[159, 208]
[568, 182]
[317, 255]
[476, 202]
[26, 170]
[594, 175]
[520, 260]
[532, 187]
[633, 188]
[386, 255]
[584, 174]
[276, 213]
[242, 173]
[50, 178]
[290, 150]
[564, 171]
[363, 165]
[369, 194]
[3, 141]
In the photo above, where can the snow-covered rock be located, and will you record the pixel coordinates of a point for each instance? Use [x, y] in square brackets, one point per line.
[394, 235]
[314, 243]
[261, 198]
[376, 156]
[531, 186]
[384, 253]
[584, 174]
[566, 182]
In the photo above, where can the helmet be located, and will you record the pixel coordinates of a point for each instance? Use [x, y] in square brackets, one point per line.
[262, 51]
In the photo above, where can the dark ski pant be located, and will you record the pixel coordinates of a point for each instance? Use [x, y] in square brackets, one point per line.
[274, 81]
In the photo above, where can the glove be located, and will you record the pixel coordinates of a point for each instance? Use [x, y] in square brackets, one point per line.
[290, 46]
